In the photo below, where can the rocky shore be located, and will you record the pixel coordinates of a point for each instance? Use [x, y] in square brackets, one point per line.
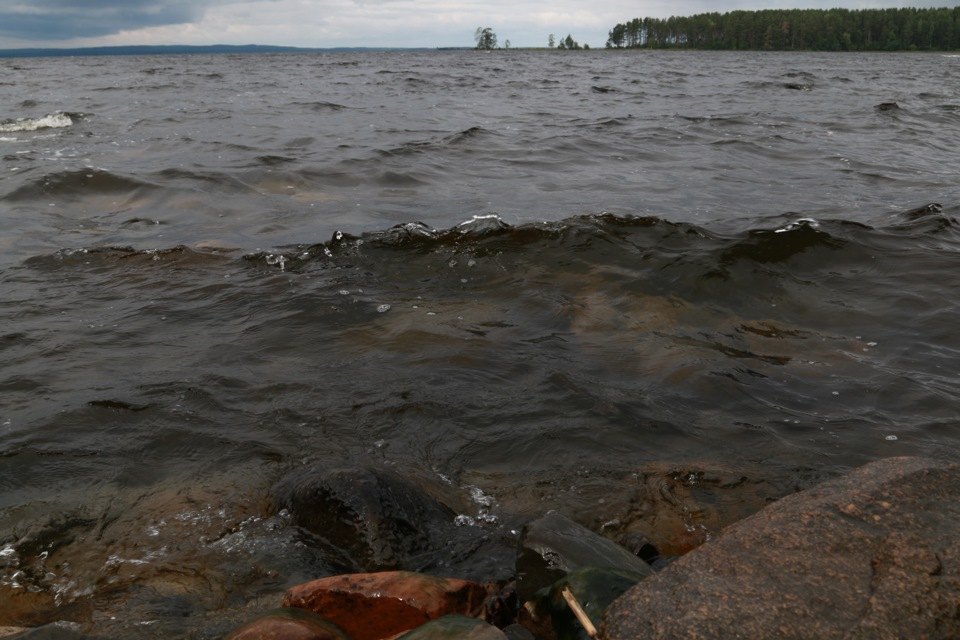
[873, 554]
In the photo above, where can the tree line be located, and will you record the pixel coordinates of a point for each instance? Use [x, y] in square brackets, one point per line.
[907, 29]
[486, 40]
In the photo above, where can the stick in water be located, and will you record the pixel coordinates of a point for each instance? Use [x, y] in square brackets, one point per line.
[579, 612]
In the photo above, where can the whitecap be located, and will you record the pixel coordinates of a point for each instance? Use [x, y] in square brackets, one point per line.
[56, 120]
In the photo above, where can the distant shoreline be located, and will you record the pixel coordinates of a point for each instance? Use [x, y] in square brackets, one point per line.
[149, 50]
[143, 50]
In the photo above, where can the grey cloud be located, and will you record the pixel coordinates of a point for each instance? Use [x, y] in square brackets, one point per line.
[64, 19]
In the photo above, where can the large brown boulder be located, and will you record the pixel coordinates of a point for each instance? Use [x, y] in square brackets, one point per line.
[874, 554]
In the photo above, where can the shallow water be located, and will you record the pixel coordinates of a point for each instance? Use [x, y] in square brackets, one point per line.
[651, 290]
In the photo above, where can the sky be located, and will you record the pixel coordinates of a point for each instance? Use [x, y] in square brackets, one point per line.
[351, 23]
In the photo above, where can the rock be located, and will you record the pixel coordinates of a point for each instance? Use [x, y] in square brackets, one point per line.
[376, 518]
[640, 546]
[548, 615]
[455, 627]
[873, 554]
[554, 545]
[517, 631]
[369, 606]
[61, 630]
[288, 624]
[595, 589]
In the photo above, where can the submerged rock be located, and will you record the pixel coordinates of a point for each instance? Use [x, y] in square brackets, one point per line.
[873, 554]
[288, 624]
[370, 606]
[554, 545]
[53, 631]
[377, 519]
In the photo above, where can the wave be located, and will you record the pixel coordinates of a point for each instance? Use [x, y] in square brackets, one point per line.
[792, 243]
[56, 120]
[77, 183]
[450, 140]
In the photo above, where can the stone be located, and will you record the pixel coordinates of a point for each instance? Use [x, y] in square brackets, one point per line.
[374, 517]
[595, 589]
[288, 624]
[455, 627]
[369, 606]
[517, 631]
[554, 545]
[60, 630]
[873, 554]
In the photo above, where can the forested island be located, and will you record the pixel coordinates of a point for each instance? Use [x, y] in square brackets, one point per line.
[908, 29]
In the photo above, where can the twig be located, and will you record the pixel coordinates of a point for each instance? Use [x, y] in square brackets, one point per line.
[579, 612]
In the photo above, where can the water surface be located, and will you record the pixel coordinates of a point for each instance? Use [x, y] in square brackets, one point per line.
[651, 290]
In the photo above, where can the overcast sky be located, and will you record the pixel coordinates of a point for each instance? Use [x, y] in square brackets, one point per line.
[348, 23]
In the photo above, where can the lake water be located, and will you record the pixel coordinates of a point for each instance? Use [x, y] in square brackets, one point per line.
[651, 290]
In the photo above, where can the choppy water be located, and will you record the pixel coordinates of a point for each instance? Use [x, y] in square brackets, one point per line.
[538, 280]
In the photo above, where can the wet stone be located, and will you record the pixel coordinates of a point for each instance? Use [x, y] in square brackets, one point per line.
[455, 627]
[52, 631]
[377, 519]
[288, 624]
[554, 545]
[369, 606]
[595, 589]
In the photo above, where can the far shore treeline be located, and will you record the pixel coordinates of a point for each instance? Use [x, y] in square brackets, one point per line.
[908, 29]
[904, 29]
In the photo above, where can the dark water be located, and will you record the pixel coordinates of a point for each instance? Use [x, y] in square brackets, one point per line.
[535, 281]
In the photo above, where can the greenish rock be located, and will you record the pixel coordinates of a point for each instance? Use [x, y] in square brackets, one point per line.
[554, 545]
[455, 627]
[594, 588]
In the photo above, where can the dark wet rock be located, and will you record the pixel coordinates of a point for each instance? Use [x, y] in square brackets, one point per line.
[873, 554]
[517, 632]
[455, 627]
[502, 606]
[377, 519]
[52, 631]
[595, 589]
[370, 606]
[554, 545]
[288, 624]
[640, 546]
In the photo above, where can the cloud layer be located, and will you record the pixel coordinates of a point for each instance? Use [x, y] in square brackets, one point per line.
[334, 23]
[52, 20]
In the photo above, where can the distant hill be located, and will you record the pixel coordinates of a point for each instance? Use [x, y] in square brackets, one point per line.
[146, 50]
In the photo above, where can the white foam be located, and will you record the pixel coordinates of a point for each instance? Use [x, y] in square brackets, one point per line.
[802, 222]
[51, 121]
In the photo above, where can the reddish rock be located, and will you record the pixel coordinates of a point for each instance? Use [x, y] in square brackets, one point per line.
[873, 554]
[368, 606]
[288, 624]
